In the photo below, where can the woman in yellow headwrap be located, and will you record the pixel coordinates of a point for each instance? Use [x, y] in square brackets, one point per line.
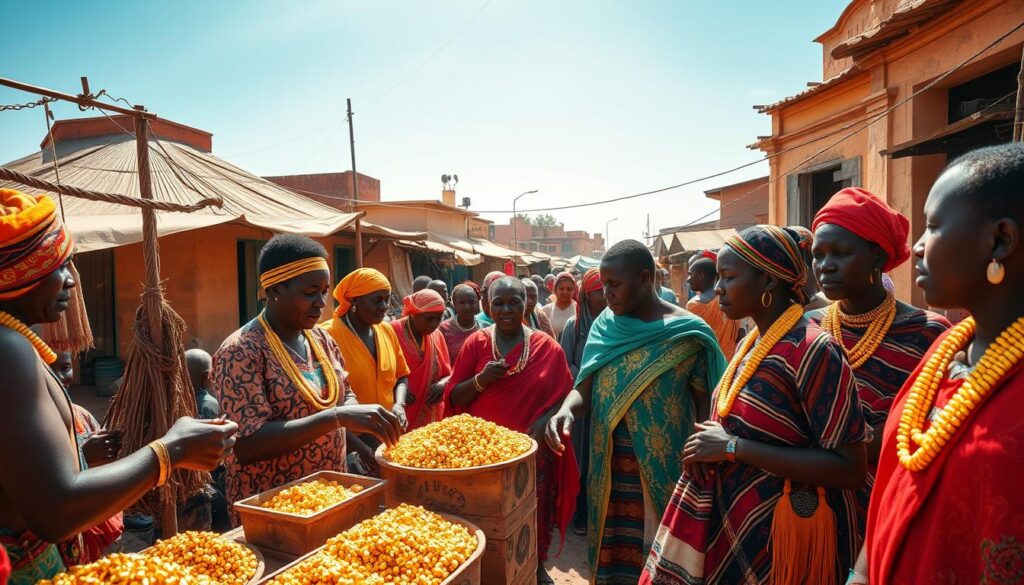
[376, 366]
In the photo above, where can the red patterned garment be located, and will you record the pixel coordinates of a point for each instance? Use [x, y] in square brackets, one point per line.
[882, 376]
[802, 395]
[961, 519]
[254, 389]
[428, 365]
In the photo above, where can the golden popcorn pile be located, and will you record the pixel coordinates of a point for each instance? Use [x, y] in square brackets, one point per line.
[458, 442]
[406, 545]
[306, 499]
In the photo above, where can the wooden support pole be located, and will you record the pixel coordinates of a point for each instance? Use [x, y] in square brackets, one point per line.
[152, 300]
[359, 242]
[1018, 118]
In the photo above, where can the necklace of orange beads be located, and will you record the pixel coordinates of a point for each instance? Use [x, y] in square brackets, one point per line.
[44, 351]
[877, 323]
[728, 389]
[999, 358]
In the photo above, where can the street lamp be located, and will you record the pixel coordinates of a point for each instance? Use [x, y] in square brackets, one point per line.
[606, 224]
[515, 226]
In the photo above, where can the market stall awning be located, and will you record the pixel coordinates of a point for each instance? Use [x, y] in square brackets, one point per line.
[433, 245]
[181, 174]
[685, 241]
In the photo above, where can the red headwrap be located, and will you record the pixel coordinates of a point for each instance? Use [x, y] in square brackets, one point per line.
[591, 281]
[424, 301]
[710, 255]
[868, 216]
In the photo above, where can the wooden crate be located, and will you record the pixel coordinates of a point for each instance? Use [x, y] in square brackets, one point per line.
[490, 490]
[467, 574]
[297, 535]
[528, 577]
[506, 559]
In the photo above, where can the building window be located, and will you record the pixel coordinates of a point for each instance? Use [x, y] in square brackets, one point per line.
[250, 302]
[809, 191]
[344, 262]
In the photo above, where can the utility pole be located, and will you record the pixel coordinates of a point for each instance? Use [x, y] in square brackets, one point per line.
[355, 185]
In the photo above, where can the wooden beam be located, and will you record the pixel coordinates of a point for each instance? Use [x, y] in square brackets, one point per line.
[359, 242]
[83, 101]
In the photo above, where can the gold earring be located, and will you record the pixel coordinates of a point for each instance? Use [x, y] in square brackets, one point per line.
[995, 272]
[871, 277]
[767, 303]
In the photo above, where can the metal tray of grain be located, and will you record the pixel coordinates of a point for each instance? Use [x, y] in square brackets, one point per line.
[495, 490]
[297, 535]
[467, 574]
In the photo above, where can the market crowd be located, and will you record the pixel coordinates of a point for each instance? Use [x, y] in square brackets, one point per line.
[782, 419]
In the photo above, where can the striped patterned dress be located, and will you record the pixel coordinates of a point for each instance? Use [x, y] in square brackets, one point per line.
[802, 395]
[882, 376]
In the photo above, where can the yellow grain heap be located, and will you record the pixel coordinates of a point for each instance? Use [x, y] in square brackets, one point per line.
[458, 442]
[306, 499]
[406, 545]
[190, 558]
[129, 569]
[207, 554]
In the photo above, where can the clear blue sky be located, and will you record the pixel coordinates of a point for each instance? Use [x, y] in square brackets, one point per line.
[582, 100]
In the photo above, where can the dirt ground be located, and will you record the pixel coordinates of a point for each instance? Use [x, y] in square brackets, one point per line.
[571, 567]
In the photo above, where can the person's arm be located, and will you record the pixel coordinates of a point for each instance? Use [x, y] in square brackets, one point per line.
[859, 576]
[827, 393]
[559, 426]
[465, 392]
[48, 479]
[568, 342]
[401, 399]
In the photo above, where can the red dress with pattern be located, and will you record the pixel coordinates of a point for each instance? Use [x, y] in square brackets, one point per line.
[254, 389]
[802, 395]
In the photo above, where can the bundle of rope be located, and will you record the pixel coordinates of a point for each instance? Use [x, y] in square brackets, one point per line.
[72, 332]
[155, 391]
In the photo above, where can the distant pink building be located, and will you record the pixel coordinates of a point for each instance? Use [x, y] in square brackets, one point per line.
[553, 240]
[334, 189]
[743, 204]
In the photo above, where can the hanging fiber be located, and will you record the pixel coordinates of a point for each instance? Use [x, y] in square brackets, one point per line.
[71, 333]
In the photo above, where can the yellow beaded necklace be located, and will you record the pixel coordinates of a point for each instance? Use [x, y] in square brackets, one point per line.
[311, 394]
[998, 359]
[878, 322]
[44, 351]
[729, 390]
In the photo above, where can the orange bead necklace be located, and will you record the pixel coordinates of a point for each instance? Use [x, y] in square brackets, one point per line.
[878, 322]
[728, 390]
[999, 358]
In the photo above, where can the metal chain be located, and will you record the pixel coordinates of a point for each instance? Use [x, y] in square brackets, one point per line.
[35, 104]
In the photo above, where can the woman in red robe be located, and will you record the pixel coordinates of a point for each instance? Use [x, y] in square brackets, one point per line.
[517, 377]
[947, 505]
[426, 355]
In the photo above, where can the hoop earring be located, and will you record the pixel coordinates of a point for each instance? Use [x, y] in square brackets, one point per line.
[355, 309]
[995, 272]
[765, 304]
[871, 277]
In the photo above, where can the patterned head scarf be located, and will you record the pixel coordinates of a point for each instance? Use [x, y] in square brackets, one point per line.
[359, 282]
[867, 215]
[776, 251]
[424, 301]
[590, 282]
[33, 242]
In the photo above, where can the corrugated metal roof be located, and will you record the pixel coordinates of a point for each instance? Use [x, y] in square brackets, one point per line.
[181, 174]
[685, 241]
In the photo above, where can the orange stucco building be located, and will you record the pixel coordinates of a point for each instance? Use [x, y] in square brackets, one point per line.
[875, 57]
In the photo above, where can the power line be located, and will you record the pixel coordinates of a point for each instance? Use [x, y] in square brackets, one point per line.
[867, 122]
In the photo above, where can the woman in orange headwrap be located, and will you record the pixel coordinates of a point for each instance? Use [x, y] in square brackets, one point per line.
[376, 366]
[426, 354]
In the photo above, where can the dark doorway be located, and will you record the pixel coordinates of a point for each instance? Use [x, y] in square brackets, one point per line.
[823, 186]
